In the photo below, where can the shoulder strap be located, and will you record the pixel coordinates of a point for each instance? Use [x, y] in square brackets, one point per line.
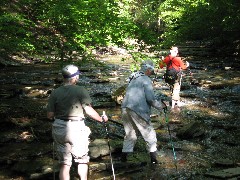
[170, 62]
[135, 76]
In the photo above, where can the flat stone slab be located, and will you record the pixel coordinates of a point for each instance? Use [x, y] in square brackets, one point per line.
[226, 173]
[225, 162]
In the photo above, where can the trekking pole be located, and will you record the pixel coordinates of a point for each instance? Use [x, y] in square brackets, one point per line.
[110, 153]
[53, 162]
[170, 136]
[155, 77]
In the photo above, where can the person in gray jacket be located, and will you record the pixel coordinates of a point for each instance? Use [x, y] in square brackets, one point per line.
[136, 110]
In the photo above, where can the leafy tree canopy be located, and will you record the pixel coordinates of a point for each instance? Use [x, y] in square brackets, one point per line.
[199, 19]
[45, 26]
[62, 26]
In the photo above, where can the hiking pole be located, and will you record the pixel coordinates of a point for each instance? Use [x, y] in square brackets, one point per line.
[180, 79]
[108, 138]
[53, 161]
[170, 136]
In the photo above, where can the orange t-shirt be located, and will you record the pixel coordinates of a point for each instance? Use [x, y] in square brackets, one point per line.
[176, 63]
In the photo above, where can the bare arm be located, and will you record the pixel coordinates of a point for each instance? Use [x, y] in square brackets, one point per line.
[182, 65]
[93, 114]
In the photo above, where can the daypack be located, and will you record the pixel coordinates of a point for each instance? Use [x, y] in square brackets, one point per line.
[171, 74]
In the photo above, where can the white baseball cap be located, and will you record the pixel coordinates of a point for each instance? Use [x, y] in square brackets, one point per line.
[70, 71]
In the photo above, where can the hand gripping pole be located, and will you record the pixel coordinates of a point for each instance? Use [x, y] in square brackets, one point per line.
[108, 139]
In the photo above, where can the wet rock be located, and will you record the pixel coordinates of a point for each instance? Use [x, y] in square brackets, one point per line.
[99, 81]
[236, 89]
[104, 104]
[187, 146]
[114, 79]
[48, 83]
[225, 174]
[224, 162]
[189, 94]
[191, 130]
[37, 93]
[229, 125]
[27, 82]
[231, 141]
[98, 148]
[97, 167]
[35, 169]
[185, 86]
[221, 84]
[197, 50]
[46, 173]
[4, 62]
[102, 98]
[101, 94]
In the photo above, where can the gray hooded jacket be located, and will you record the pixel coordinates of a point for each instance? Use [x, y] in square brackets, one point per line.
[140, 96]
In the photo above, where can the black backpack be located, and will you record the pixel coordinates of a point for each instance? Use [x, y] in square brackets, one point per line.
[171, 74]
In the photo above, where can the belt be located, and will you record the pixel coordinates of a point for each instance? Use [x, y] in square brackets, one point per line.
[63, 119]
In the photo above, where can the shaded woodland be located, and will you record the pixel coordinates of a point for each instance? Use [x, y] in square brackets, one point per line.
[107, 40]
[40, 28]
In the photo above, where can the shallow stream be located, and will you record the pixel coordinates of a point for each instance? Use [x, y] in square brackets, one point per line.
[210, 97]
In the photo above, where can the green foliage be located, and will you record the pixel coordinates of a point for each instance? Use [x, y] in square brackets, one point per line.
[145, 15]
[83, 25]
[198, 19]
[15, 33]
[61, 29]
[137, 58]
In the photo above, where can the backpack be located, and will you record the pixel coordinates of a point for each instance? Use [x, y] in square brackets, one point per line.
[171, 74]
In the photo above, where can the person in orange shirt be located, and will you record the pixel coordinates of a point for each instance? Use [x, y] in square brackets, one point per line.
[174, 65]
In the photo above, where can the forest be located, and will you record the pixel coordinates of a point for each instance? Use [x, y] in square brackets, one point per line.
[38, 28]
[106, 39]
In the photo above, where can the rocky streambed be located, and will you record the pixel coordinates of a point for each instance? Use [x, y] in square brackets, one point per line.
[205, 130]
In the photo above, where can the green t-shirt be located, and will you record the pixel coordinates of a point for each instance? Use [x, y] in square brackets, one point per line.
[67, 102]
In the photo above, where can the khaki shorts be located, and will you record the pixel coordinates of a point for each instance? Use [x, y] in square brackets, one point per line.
[71, 140]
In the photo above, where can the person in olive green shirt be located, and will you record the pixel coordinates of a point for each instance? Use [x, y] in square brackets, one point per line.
[66, 106]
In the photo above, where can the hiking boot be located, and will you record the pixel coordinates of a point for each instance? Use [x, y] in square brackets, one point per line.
[124, 156]
[153, 156]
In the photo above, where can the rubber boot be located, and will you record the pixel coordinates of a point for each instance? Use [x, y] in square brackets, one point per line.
[153, 156]
[124, 156]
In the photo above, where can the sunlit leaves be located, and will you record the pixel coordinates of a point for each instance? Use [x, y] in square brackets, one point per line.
[44, 26]
[64, 26]
[197, 19]
[15, 33]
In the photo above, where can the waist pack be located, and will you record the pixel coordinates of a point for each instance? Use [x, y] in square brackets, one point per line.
[171, 76]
